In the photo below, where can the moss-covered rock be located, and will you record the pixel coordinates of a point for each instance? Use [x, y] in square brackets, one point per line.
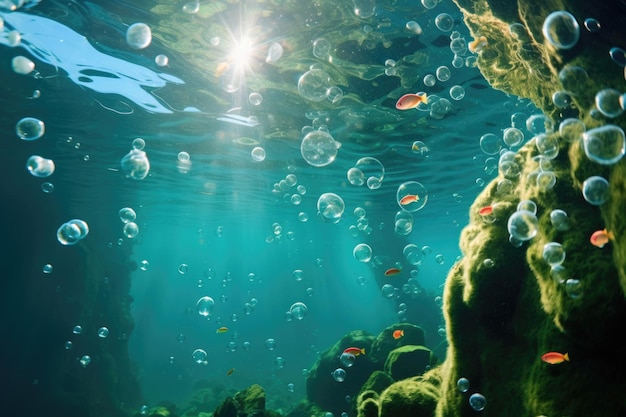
[504, 305]
[250, 401]
[329, 394]
[407, 361]
[409, 397]
[385, 342]
[376, 383]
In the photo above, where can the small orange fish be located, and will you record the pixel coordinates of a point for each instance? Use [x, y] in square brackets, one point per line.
[230, 371]
[222, 330]
[355, 351]
[409, 198]
[411, 101]
[477, 44]
[486, 211]
[600, 238]
[397, 334]
[554, 358]
[221, 69]
[392, 271]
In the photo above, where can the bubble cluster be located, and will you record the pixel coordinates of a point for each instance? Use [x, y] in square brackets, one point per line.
[71, 232]
[298, 310]
[22, 65]
[135, 164]
[522, 225]
[457, 92]
[605, 144]
[608, 102]
[412, 254]
[444, 22]
[596, 190]
[477, 401]
[314, 84]
[331, 207]
[561, 30]
[199, 356]
[347, 359]
[403, 224]
[339, 375]
[559, 220]
[258, 154]
[362, 252]
[319, 148]
[367, 170]
[553, 253]
[321, 48]
[463, 384]
[274, 53]
[490, 144]
[204, 306]
[138, 35]
[40, 167]
[30, 128]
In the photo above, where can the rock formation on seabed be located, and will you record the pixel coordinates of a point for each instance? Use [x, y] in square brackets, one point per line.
[512, 298]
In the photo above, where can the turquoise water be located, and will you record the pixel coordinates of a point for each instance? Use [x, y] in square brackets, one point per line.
[223, 224]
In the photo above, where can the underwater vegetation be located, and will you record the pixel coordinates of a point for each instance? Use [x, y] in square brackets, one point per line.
[533, 309]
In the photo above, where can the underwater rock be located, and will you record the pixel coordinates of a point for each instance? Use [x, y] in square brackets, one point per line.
[330, 394]
[385, 341]
[504, 305]
[376, 383]
[250, 402]
[305, 409]
[251, 399]
[368, 408]
[407, 361]
[410, 397]
[228, 408]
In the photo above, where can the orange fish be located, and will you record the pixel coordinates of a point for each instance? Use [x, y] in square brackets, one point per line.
[397, 334]
[392, 271]
[554, 358]
[600, 238]
[230, 371]
[355, 351]
[477, 44]
[486, 211]
[411, 101]
[222, 330]
[221, 68]
[409, 198]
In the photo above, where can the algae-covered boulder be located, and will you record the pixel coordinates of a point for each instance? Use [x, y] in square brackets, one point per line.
[377, 382]
[413, 397]
[250, 401]
[407, 361]
[324, 390]
[505, 305]
[409, 334]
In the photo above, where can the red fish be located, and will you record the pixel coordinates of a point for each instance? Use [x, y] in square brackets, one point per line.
[392, 271]
[397, 334]
[409, 198]
[355, 351]
[411, 101]
[600, 238]
[554, 358]
[486, 211]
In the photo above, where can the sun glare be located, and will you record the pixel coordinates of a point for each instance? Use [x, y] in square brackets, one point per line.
[242, 52]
